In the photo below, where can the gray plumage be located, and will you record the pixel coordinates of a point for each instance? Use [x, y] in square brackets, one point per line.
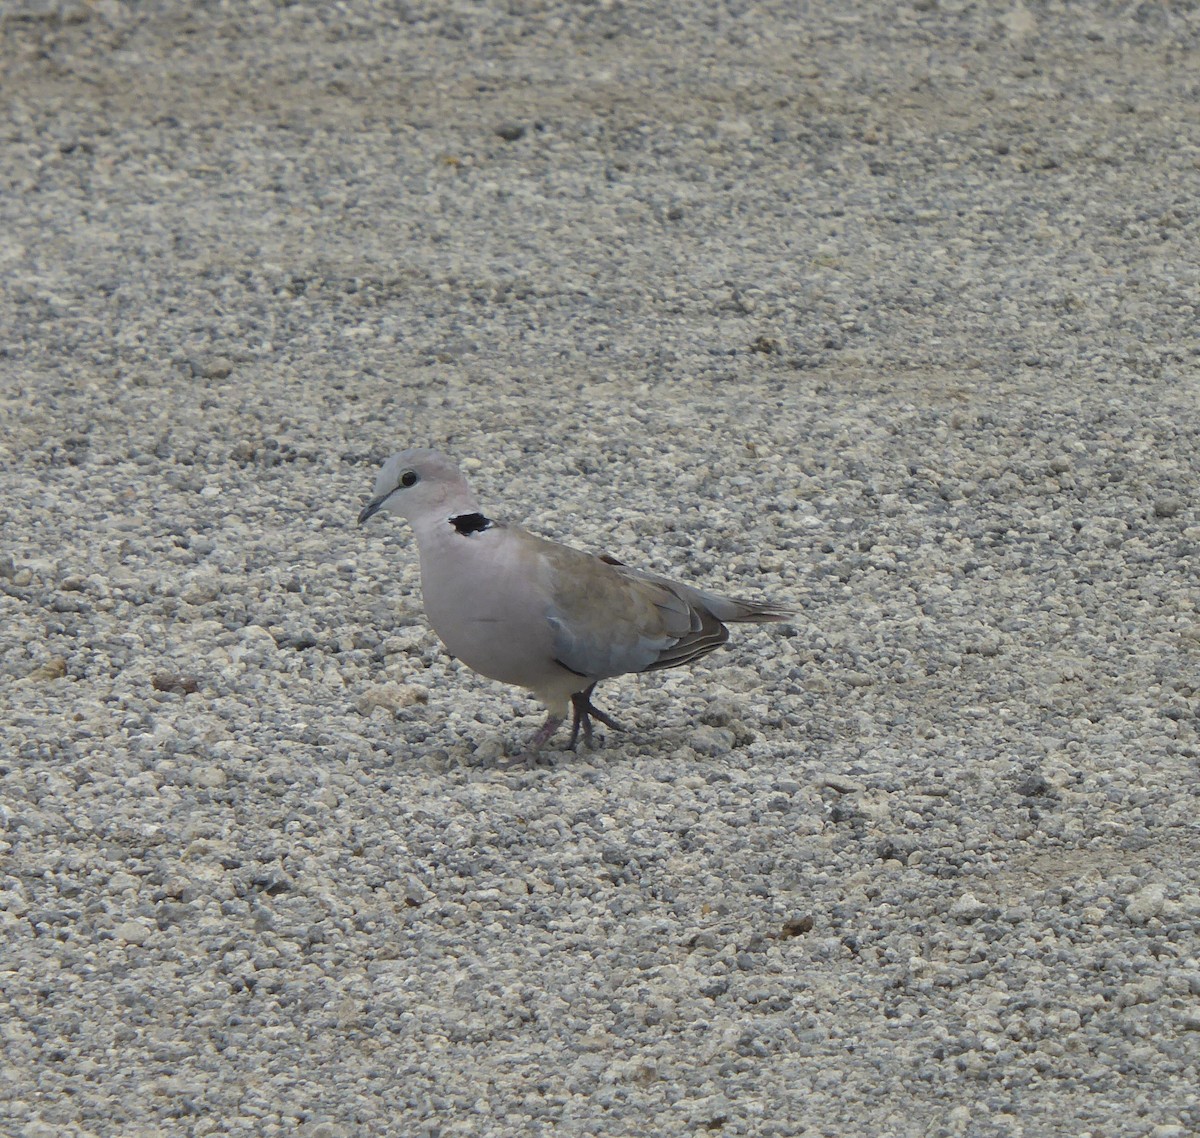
[530, 612]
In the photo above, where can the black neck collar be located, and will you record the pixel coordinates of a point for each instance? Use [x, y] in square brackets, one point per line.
[467, 524]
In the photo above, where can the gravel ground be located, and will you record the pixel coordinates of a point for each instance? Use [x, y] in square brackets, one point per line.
[886, 312]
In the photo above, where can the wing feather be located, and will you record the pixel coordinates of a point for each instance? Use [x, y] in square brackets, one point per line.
[608, 619]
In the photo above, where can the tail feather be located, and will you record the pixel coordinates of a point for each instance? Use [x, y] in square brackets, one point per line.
[753, 612]
[728, 610]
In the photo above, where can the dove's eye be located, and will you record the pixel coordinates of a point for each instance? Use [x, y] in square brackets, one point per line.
[409, 478]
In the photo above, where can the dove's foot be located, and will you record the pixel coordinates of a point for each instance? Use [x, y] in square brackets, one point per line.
[531, 754]
[583, 712]
[542, 736]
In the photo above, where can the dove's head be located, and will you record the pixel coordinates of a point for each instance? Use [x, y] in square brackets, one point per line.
[418, 485]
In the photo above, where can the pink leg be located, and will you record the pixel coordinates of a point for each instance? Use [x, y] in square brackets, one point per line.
[552, 724]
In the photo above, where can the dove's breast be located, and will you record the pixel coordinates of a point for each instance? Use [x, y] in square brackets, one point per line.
[482, 597]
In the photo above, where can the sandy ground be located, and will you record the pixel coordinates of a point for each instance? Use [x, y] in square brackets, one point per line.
[884, 312]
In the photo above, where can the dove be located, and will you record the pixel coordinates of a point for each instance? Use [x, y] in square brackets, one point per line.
[526, 611]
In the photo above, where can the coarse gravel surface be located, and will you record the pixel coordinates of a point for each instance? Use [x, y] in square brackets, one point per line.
[888, 312]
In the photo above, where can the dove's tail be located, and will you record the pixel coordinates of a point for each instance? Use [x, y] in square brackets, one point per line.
[726, 609]
[730, 611]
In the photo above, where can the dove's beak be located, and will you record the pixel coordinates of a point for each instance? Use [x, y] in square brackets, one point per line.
[372, 508]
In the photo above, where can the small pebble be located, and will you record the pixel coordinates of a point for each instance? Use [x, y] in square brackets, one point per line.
[132, 932]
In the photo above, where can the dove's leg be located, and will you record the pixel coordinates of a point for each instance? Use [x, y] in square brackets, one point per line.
[531, 754]
[552, 724]
[583, 712]
[579, 717]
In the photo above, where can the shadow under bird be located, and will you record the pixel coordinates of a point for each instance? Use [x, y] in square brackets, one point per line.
[530, 612]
